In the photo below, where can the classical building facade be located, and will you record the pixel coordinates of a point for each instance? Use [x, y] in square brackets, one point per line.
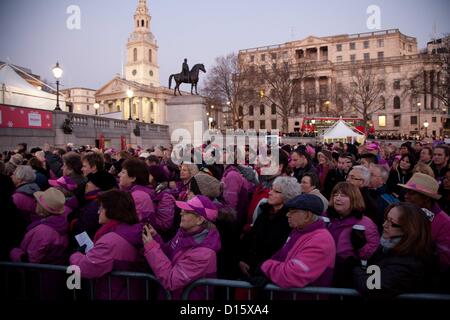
[147, 102]
[80, 100]
[394, 58]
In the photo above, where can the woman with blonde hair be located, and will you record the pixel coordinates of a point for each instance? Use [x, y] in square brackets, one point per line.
[422, 167]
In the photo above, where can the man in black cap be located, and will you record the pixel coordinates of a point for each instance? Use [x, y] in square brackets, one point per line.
[308, 256]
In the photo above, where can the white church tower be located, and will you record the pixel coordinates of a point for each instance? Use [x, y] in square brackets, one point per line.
[142, 50]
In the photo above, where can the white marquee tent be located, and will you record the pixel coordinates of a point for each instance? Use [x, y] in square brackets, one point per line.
[341, 131]
[14, 90]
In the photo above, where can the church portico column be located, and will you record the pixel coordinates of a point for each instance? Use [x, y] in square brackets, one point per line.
[140, 108]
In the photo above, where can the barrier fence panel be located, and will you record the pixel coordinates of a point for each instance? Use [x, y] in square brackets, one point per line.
[424, 296]
[270, 289]
[48, 282]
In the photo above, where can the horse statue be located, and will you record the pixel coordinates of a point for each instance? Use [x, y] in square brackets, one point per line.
[192, 79]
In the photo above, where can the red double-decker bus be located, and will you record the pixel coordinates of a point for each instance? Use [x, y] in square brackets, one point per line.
[320, 124]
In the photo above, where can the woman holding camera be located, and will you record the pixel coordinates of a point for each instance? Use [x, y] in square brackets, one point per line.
[191, 254]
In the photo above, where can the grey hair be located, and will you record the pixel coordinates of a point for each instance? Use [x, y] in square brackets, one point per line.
[25, 174]
[365, 174]
[384, 173]
[289, 186]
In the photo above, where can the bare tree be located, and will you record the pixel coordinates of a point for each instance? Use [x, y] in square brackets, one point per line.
[364, 93]
[283, 88]
[436, 81]
[226, 83]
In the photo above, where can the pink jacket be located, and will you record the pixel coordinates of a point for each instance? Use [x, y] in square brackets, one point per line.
[164, 204]
[45, 242]
[233, 183]
[310, 258]
[341, 232]
[440, 233]
[143, 202]
[24, 200]
[188, 264]
[111, 252]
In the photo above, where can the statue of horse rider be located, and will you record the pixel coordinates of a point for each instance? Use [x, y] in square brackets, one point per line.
[185, 70]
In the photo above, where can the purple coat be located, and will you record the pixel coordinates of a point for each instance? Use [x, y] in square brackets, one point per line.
[118, 249]
[24, 200]
[143, 202]
[45, 242]
[307, 258]
[341, 232]
[440, 233]
[236, 192]
[164, 204]
[184, 259]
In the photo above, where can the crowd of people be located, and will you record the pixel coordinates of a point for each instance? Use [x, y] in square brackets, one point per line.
[327, 213]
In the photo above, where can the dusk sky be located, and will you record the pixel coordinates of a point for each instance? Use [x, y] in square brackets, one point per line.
[33, 34]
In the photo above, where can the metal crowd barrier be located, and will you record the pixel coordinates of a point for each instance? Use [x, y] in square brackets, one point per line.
[227, 284]
[12, 269]
[18, 272]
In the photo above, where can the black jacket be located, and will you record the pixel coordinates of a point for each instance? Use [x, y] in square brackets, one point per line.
[267, 236]
[398, 274]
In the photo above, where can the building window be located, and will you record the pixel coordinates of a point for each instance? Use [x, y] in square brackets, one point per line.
[240, 111]
[87, 108]
[414, 120]
[352, 46]
[382, 102]
[261, 109]
[382, 121]
[135, 54]
[118, 108]
[150, 55]
[274, 55]
[285, 55]
[353, 58]
[274, 109]
[380, 43]
[366, 44]
[380, 55]
[339, 47]
[252, 58]
[339, 59]
[251, 124]
[366, 56]
[134, 108]
[263, 57]
[409, 48]
[396, 102]
[274, 124]
[262, 124]
[396, 84]
[433, 119]
[250, 110]
[252, 69]
[397, 119]
[382, 86]
[142, 22]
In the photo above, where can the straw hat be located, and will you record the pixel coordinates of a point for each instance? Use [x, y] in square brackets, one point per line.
[51, 200]
[424, 184]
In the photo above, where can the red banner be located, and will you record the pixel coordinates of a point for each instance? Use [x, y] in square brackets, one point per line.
[123, 143]
[101, 142]
[18, 117]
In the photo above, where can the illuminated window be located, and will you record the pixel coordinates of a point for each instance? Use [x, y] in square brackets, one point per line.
[382, 121]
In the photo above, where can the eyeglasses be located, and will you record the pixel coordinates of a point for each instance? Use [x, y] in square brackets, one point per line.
[355, 178]
[392, 223]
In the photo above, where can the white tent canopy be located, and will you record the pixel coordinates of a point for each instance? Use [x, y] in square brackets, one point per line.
[14, 90]
[342, 131]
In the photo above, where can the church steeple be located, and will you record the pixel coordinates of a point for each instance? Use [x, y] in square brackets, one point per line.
[142, 50]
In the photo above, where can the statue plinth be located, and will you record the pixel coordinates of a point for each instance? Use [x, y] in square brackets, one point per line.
[188, 113]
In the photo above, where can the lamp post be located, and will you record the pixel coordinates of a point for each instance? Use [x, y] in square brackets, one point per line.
[210, 120]
[57, 73]
[96, 106]
[418, 116]
[130, 95]
[425, 125]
